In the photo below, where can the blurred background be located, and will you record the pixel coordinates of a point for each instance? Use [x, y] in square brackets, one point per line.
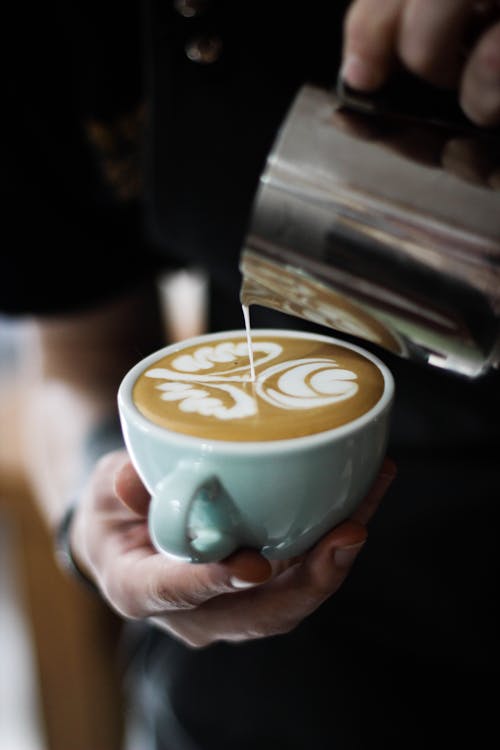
[20, 717]
[60, 671]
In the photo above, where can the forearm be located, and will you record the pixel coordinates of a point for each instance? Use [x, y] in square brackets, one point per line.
[78, 364]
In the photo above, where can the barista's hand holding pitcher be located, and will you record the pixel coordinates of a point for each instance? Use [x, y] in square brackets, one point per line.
[241, 598]
[450, 43]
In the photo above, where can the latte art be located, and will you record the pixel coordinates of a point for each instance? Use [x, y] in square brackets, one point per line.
[301, 386]
[307, 384]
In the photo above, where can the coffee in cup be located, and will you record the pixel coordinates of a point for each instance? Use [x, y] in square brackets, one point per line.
[302, 386]
[271, 463]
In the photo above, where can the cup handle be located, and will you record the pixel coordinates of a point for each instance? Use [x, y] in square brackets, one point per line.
[192, 516]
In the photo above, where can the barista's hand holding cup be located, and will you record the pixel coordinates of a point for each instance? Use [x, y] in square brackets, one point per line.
[271, 464]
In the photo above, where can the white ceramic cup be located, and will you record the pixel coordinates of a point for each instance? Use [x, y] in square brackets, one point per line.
[211, 497]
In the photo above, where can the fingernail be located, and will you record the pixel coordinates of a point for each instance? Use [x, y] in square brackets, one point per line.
[345, 556]
[238, 583]
[357, 73]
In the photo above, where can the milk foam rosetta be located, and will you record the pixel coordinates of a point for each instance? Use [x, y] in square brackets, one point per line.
[302, 386]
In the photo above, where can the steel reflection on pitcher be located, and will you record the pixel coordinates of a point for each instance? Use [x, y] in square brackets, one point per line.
[284, 288]
[361, 226]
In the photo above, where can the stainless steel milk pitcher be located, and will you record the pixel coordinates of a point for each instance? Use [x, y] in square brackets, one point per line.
[384, 228]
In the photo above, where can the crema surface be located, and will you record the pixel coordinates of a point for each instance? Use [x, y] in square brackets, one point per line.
[302, 386]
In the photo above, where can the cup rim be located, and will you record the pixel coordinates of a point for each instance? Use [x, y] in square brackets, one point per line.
[127, 407]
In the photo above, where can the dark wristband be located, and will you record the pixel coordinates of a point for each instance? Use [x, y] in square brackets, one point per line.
[104, 437]
[63, 552]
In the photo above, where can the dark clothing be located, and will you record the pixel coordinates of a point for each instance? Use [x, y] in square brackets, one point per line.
[405, 655]
[74, 111]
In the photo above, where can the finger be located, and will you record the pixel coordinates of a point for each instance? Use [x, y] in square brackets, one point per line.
[368, 507]
[480, 84]
[303, 587]
[176, 585]
[129, 488]
[142, 583]
[280, 604]
[286, 600]
[329, 562]
[370, 39]
[102, 481]
[431, 38]
[300, 590]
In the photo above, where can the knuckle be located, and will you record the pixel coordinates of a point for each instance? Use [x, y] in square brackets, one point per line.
[286, 628]
[325, 589]
[105, 468]
[484, 114]
[119, 594]
[109, 461]
[160, 593]
[192, 637]
[197, 643]
[321, 585]
[480, 86]
[269, 627]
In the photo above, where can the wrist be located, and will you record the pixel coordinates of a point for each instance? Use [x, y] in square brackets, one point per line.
[64, 549]
[105, 436]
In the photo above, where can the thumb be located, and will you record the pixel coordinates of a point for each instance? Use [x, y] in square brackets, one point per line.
[130, 489]
[178, 585]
